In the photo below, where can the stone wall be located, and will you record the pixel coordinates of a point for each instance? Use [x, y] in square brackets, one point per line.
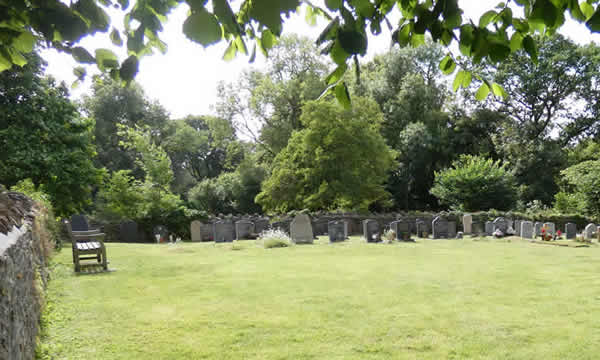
[22, 279]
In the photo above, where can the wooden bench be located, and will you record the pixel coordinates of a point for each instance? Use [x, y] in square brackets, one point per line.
[87, 245]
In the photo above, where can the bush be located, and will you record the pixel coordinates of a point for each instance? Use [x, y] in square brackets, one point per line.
[274, 239]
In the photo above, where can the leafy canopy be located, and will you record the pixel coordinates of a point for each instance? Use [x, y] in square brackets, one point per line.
[256, 24]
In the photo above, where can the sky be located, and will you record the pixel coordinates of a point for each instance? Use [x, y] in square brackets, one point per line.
[185, 79]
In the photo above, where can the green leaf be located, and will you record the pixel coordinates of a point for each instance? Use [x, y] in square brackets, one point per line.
[81, 55]
[594, 22]
[499, 91]
[487, 18]
[333, 4]
[129, 68]
[226, 16]
[202, 27]
[106, 59]
[268, 12]
[575, 11]
[483, 92]
[342, 95]
[530, 48]
[17, 57]
[338, 54]
[364, 7]
[337, 74]
[587, 9]
[447, 65]
[5, 60]
[80, 72]
[24, 42]
[352, 41]
[267, 39]
[462, 79]
[516, 42]
[230, 52]
[498, 51]
[115, 37]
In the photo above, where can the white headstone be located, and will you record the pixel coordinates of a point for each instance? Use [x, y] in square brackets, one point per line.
[468, 223]
[589, 231]
[196, 230]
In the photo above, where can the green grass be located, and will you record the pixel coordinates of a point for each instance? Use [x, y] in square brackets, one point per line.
[445, 299]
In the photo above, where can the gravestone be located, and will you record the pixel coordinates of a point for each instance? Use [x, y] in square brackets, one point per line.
[451, 229]
[422, 228]
[526, 230]
[550, 228]
[335, 229]
[223, 231]
[489, 228]
[538, 228]
[244, 229]
[518, 227]
[439, 227]
[371, 231]
[128, 231]
[468, 224]
[163, 233]
[402, 229]
[301, 230]
[261, 225]
[196, 231]
[570, 231]
[320, 227]
[79, 223]
[478, 228]
[501, 224]
[345, 229]
[589, 231]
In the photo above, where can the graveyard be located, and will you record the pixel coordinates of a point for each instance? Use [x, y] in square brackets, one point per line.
[476, 297]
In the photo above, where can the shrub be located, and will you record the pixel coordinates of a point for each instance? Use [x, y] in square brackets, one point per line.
[274, 239]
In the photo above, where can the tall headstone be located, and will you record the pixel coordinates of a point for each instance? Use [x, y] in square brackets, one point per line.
[489, 228]
[589, 231]
[196, 231]
[79, 223]
[439, 227]
[500, 224]
[468, 224]
[570, 231]
[402, 229]
[301, 230]
[478, 228]
[371, 231]
[261, 225]
[244, 229]
[336, 231]
[537, 227]
[451, 229]
[550, 228]
[128, 231]
[223, 231]
[346, 232]
[527, 230]
[422, 228]
[162, 232]
[517, 227]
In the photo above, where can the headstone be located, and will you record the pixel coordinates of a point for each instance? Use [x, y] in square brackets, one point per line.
[336, 231]
[320, 226]
[451, 229]
[402, 229]
[346, 233]
[371, 231]
[128, 231]
[570, 231]
[439, 227]
[422, 228]
[301, 230]
[527, 229]
[468, 224]
[550, 228]
[163, 233]
[207, 232]
[538, 228]
[517, 227]
[196, 231]
[244, 229]
[79, 223]
[478, 228]
[589, 231]
[500, 224]
[223, 231]
[489, 228]
[261, 225]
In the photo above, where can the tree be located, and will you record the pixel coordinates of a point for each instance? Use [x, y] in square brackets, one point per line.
[475, 183]
[331, 164]
[497, 33]
[44, 139]
[581, 188]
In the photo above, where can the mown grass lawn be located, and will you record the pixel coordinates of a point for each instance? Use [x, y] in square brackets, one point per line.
[444, 299]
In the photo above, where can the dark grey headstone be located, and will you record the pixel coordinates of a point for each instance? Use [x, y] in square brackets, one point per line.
[527, 230]
[452, 229]
[517, 227]
[537, 227]
[478, 228]
[402, 229]
[439, 227]
[261, 225]
[501, 224]
[489, 228]
[422, 228]
[336, 231]
[223, 231]
[371, 231]
[320, 226]
[128, 231]
[79, 223]
[162, 231]
[244, 229]
[570, 231]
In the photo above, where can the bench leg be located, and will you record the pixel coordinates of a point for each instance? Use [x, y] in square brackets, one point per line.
[77, 266]
[104, 261]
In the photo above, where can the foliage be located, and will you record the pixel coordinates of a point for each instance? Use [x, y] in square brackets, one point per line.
[582, 184]
[27, 187]
[121, 197]
[389, 236]
[274, 238]
[476, 183]
[331, 163]
[44, 139]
